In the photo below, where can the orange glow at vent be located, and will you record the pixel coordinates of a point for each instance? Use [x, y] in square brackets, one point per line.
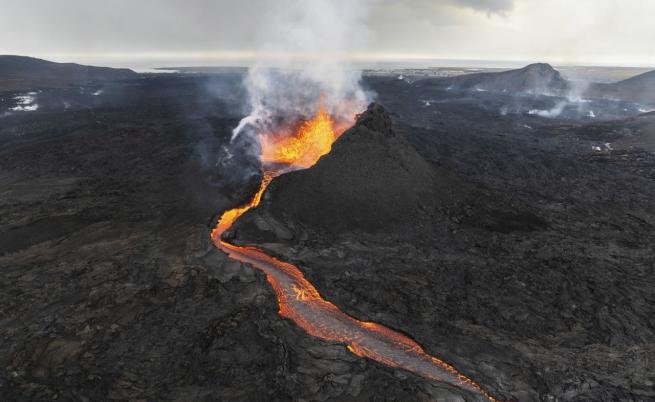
[312, 140]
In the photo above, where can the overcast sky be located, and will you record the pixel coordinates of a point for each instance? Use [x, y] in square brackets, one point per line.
[584, 32]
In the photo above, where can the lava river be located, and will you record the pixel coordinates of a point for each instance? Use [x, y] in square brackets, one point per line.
[300, 302]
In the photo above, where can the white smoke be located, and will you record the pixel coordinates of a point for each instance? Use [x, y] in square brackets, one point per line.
[25, 103]
[302, 60]
[574, 100]
[550, 113]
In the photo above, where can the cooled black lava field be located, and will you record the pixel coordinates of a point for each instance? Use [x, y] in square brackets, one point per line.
[511, 241]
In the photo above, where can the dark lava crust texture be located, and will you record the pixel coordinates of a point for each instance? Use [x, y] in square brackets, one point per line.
[504, 244]
[538, 296]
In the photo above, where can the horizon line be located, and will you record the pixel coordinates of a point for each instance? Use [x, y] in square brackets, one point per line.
[247, 59]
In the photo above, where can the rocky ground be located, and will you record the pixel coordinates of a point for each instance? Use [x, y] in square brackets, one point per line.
[537, 281]
[111, 288]
[535, 277]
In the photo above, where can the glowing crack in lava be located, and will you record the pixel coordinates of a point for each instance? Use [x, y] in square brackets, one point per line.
[299, 300]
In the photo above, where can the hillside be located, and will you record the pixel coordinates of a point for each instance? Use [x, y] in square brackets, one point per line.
[640, 88]
[18, 73]
[539, 78]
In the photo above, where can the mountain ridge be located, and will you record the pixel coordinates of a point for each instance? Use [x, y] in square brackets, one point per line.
[536, 78]
[18, 73]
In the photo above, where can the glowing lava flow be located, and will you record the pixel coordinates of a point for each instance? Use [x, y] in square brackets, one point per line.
[300, 302]
[312, 140]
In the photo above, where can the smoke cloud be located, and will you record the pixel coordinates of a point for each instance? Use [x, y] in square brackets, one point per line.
[305, 48]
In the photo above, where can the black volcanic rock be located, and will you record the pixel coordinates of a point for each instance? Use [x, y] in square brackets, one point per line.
[22, 73]
[373, 180]
[539, 78]
[110, 287]
[534, 311]
[637, 133]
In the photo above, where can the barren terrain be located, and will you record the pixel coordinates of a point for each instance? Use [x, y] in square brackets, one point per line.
[533, 274]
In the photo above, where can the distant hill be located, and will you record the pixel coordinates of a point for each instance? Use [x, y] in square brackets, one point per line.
[18, 73]
[540, 78]
[640, 88]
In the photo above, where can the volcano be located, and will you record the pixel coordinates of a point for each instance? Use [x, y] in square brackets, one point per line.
[372, 181]
[298, 299]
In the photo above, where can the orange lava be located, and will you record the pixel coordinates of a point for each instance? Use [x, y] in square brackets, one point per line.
[312, 140]
[231, 215]
[299, 300]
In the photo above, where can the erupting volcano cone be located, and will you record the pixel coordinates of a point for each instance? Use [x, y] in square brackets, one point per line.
[372, 180]
[298, 299]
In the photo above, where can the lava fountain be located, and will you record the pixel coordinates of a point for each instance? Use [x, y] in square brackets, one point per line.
[303, 149]
[298, 299]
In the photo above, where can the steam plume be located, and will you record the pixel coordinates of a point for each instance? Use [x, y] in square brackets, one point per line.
[303, 61]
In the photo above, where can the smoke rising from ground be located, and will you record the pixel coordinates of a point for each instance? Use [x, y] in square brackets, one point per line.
[304, 47]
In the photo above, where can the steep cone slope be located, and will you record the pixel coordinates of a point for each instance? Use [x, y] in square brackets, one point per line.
[372, 181]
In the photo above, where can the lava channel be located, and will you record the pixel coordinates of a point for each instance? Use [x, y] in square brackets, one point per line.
[300, 302]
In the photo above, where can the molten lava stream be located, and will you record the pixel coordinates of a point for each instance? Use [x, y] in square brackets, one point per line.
[299, 300]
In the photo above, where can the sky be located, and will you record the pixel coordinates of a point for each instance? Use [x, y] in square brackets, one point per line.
[215, 32]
